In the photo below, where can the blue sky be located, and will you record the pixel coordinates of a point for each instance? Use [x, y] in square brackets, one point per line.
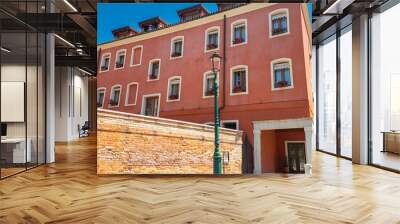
[115, 15]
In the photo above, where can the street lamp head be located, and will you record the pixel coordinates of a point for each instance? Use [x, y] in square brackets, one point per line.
[214, 58]
[215, 55]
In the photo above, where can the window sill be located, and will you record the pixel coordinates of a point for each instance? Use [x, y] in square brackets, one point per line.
[173, 100]
[151, 80]
[208, 97]
[177, 57]
[278, 35]
[282, 88]
[239, 93]
[211, 50]
[135, 65]
[238, 44]
[119, 68]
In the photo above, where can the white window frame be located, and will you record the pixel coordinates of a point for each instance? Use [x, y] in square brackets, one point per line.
[116, 57]
[133, 55]
[169, 85]
[128, 93]
[278, 11]
[280, 60]
[112, 93]
[236, 67]
[233, 24]
[104, 91]
[150, 68]
[205, 74]
[209, 30]
[144, 102]
[102, 61]
[182, 38]
[230, 121]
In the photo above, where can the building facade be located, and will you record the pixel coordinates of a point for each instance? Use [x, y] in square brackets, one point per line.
[264, 76]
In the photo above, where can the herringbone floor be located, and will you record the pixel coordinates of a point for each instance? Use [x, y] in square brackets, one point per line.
[70, 192]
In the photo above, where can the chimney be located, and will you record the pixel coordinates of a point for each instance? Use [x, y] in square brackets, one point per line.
[152, 24]
[125, 31]
[192, 12]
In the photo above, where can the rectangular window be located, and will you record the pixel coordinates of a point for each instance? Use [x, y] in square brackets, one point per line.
[239, 81]
[282, 76]
[239, 33]
[105, 63]
[177, 48]
[100, 97]
[209, 85]
[151, 106]
[212, 40]
[114, 100]
[174, 89]
[154, 70]
[384, 91]
[119, 63]
[231, 125]
[327, 96]
[279, 23]
[345, 93]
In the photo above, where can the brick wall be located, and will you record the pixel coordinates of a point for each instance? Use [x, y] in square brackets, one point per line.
[136, 144]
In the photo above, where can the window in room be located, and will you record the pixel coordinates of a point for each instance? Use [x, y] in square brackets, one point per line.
[327, 96]
[114, 97]
[208, 85]
[345, 92]
[212, 39]
[384, 91]
[136, 58]
[120, 59]
[177, 47]
[282, 77]
[174, 89]
[239, 80]
[105, 62]
[154, 69]
[279, 24]
[100, 97]
[239, 32]
[131, 94]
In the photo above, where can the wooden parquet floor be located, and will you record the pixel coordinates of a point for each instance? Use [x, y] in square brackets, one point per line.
[69, 191]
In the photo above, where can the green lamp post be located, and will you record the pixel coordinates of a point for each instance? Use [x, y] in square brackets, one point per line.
[217, 153]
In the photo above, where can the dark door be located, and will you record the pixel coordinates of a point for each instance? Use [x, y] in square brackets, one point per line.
[296, 157]
[151, 108]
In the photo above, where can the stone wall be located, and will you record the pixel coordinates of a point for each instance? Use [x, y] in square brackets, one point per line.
[136, 144]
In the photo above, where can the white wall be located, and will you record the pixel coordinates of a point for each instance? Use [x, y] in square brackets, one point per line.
[71, 102]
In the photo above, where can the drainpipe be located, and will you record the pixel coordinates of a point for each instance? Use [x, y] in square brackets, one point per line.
[224, 66]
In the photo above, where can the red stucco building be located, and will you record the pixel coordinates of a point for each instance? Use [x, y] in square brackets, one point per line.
[265, 75]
